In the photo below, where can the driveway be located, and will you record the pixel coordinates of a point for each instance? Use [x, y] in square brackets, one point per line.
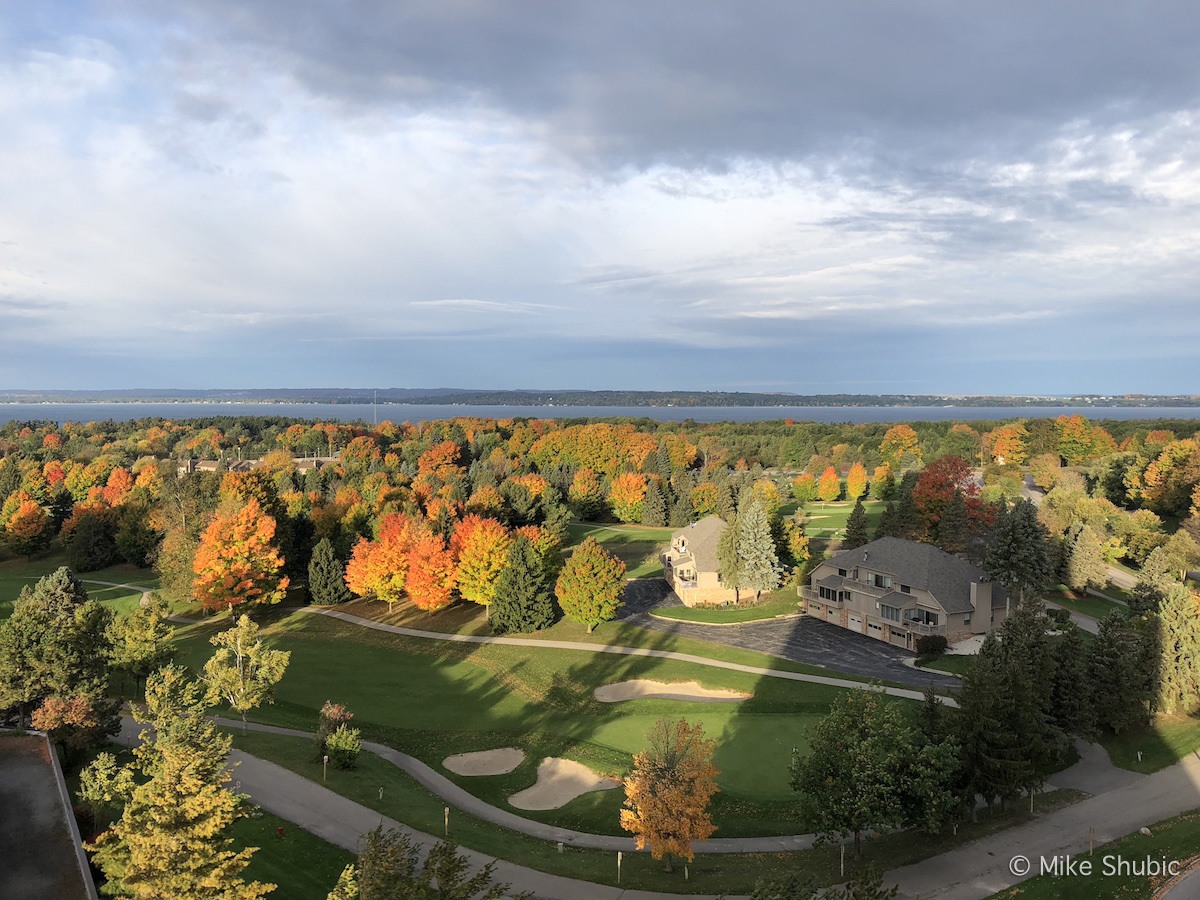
[803, 639]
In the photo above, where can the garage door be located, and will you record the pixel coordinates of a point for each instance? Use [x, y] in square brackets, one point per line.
[855, 623]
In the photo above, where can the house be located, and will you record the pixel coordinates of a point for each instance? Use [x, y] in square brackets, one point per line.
[896, 591]
[690, 564]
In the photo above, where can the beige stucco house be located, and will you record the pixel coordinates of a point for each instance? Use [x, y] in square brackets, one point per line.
[896, 590]
[690, 564]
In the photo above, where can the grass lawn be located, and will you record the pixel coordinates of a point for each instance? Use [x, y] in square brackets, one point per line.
[782, 602]
[954, 663]
[303, 865]
[1164, 743]
[407, 802]
[638, 546]
[434, 699]
[1172, 839]
[828, 520]
[17, 573]
[1087, 604]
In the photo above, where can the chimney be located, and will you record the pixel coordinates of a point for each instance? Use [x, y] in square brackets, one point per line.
[981, 603]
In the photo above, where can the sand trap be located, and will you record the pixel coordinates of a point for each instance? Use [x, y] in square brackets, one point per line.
[485, 762]
[559, 781]
[643, 688]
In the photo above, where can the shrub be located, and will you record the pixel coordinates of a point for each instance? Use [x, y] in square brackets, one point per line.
[343, 746]
[1060, 616]
[929, 644]
[332, 717]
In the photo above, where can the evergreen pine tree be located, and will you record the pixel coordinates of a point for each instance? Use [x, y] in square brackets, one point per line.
[654, 507]
[729, 563]
[954, 528]
[682, 512]
[856, 527]
[1071, 696]
[1177, 646]
[932, 721]
[523, 601]
[888, 526]
[1018, 555]
[758, 562]
[1120, 681]
[1085, 562]
[326, 576]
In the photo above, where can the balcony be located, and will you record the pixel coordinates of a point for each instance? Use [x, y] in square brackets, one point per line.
[809, 594]
[922, 628]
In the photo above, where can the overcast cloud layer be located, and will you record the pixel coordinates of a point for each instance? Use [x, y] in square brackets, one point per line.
[811, 197]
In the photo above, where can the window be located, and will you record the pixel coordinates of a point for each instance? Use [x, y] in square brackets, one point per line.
[880, 581]
[891, 613]
[966, 620]
[827, 593]
[842, 572]
[905, 589]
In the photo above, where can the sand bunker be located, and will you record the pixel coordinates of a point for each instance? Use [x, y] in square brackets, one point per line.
[642, 688]
[485, 762]
[559, 781]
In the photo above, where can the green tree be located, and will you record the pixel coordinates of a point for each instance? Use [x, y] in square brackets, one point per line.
[55, 643]
[1176, 633]
[954, 527]
[729, 561]
[92, 545]
[243, 671]
[171, 839]
[1071, 696]
[327, 575]
[1086, 566]
[856, 527]
[590, 585]
[1018, 553]
[523, 601]
[682, 512]
[758, 563]
[654, 506]
[1121, 682]
[141, 641]
[105, 786]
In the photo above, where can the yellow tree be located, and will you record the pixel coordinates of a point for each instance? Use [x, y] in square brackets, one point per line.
[900, 442]
[829, 487]
[237, 561]
[856, 481]
[668, 792]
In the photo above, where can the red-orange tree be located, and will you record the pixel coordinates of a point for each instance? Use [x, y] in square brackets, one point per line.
[379, 568]
[830, 486]
[28, 529]
[627, 495]
[431, 569]
[237, 561]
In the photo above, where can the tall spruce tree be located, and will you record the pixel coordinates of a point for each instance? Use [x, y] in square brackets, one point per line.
[757, 559]
[856, 527]
[1121, 682]
[729, 562]
[1176, 641]
[1071, 696]
[682, 512]
[954, 527]
[326, 576]
[524, 601]
[1018, 553]
[888, 526]
[654, 506]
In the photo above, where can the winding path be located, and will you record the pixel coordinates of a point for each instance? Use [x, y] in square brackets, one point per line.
[622, 651]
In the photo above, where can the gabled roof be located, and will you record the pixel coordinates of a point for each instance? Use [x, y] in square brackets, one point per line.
[922, 567]
[702, 538]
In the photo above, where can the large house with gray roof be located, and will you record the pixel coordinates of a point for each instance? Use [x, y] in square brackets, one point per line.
[690, 564]
[896, 591]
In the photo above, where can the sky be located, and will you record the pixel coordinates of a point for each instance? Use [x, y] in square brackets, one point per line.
[817, 197]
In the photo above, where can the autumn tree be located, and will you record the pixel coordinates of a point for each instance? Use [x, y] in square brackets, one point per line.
[431, 569]
[28, 530]
[856, 481]
[883, 482]
[668, 792]
[523, 600]
[586, 494]
[326, 575]
[379, 568]
[589, 586]
[237, 561]
[627, 495]
[804, 487]
[900, 444]
[829, 487]
[243, 671]
[481, 546]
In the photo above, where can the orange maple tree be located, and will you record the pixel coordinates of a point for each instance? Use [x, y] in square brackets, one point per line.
[627, 493]
[237, 561]
[856, 481]
[119, 484]
[379, 568]
[431, 571]
[829, 487]
[28, 529]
